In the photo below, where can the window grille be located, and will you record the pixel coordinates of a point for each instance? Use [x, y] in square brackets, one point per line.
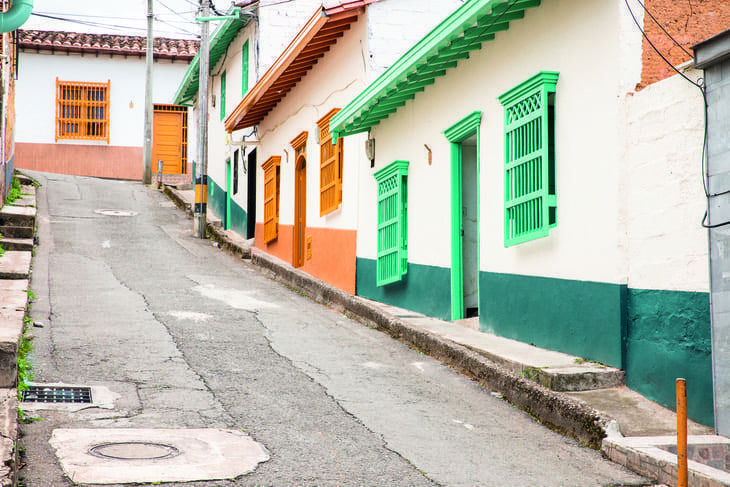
[330, 167]
[529, 184]
[223, 96]
[272, 184]
[244, 70]
[82, 110]
[392, 259]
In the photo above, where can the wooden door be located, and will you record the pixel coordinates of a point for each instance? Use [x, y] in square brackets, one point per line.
[300, 211]
[167, 142]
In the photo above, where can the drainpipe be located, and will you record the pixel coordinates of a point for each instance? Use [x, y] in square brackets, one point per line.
[16, 16]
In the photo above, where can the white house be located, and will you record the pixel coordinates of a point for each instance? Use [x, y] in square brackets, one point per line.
[307, 187]
[521, 181]
[81, 101]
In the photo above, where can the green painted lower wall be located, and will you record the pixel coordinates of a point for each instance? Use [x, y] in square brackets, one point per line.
[654, 335]
[576, 317]
[217, 204]
[668, 336]
[424, 289]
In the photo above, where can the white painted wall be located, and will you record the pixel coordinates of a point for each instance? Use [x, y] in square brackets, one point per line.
[559, 36]
[36, 93]
[395, 25]
[218, 149]
[667, 245]
[336, 79]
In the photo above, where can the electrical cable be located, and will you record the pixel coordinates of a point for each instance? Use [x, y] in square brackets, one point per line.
[664, 30]
[701, 86]
[105, 25]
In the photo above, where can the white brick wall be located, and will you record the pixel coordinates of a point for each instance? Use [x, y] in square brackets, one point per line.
[663, 194]
[395, 25]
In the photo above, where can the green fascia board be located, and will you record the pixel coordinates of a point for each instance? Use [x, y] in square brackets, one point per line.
[418, 56]
[219, 42]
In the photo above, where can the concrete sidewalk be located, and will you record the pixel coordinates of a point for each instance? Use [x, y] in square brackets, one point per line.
[577, 398]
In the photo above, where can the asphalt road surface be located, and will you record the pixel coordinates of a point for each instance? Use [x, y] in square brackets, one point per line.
[191, 337]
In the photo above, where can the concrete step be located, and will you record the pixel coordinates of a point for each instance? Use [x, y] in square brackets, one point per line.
[9, 438]
[13, 300]
[555, 370]
[15, 264]
[17, 232]
[24, 244]
[17, 216]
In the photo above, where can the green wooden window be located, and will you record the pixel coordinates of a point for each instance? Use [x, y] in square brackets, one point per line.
[530, 207]
[244, 69]
[223, 95]
[392, 260]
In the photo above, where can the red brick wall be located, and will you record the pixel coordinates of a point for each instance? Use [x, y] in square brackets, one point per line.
[688, 21]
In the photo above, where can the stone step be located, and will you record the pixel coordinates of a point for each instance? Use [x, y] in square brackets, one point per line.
[15, 264]
[16, 232]
[25, 244]
[13, 300]
[19, 216]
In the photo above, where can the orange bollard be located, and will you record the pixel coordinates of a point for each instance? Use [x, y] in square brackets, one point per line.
[682, 474]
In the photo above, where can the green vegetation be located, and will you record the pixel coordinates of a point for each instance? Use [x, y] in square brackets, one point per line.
[14, 192]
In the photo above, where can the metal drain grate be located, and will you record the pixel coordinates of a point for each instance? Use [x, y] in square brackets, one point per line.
[58, 394]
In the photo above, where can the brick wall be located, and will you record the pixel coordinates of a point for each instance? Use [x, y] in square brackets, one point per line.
[688, 21]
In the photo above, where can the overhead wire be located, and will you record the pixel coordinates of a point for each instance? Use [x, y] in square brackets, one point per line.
[703, 91]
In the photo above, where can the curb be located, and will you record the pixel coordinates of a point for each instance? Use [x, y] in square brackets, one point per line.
[564, 414]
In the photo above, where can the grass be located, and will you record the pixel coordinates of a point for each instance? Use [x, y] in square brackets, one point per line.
[14, 192]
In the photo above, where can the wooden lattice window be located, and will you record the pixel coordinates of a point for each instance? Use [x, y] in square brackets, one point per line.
[529, 127]
[392, 259]
[82, 110]
[272, 192]
[330, 167]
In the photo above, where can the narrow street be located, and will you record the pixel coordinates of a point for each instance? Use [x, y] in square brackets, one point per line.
[186, 336]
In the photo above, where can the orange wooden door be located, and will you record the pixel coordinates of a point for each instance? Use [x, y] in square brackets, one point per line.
[167, 142]
[300, 211]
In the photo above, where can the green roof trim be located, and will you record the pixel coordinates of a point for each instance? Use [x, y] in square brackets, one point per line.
[463, 31]
[219, 42]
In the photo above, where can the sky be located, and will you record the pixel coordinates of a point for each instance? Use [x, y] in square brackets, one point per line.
[173, 18]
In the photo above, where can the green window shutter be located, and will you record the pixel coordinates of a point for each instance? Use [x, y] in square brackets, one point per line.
[392, 259]
[223, 95]
[244, 70]
[530, 207]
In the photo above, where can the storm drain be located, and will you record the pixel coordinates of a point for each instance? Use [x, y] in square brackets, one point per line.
[58, 394]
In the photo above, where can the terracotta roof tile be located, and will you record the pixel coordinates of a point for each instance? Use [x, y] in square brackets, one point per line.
[183, 49]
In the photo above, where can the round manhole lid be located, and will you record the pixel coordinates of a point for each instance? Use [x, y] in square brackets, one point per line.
[134, 450]
[109, 212]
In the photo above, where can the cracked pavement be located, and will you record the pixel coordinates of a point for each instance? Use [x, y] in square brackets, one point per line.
[191, 337]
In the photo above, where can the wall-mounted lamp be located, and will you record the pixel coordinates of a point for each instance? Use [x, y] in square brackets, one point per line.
[370, 151]
[430, 154]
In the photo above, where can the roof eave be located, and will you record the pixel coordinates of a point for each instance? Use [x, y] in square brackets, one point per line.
[395, 79]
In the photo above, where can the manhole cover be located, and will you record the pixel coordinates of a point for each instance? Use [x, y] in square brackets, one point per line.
[116, 212]
[134, 450]
[57, 394]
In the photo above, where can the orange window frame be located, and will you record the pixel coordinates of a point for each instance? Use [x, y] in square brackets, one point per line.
[272, 196]
[330, 167]
[82, 110]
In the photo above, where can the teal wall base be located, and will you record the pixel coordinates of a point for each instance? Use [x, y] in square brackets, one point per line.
[424, 289]
[655, 336]
[668, 337]
[576, 317]
[217, 204]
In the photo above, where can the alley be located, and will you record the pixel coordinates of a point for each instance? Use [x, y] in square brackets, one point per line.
[186, 336]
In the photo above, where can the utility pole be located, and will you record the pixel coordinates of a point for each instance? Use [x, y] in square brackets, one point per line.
[147, 168]
[201, 169]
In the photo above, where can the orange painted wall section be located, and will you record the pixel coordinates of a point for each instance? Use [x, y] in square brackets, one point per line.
[101, 161]
[333, 253]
